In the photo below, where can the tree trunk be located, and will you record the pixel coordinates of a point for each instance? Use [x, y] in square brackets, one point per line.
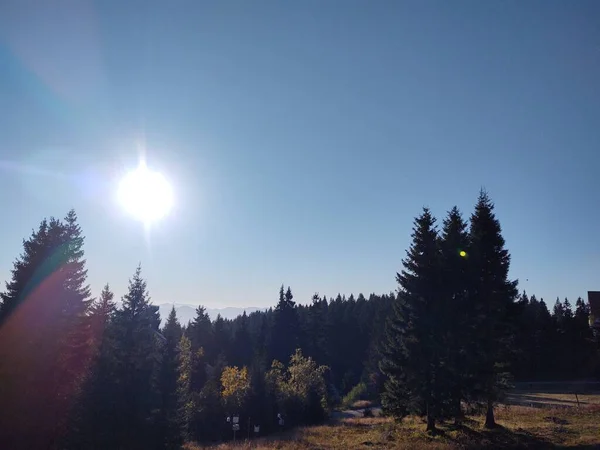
[489, 416]
[458, 413]
[430, 420]
[430, 423]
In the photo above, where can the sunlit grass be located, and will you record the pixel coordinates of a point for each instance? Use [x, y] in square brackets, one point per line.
[519, 427]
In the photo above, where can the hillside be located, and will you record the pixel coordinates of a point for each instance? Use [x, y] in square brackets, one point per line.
[186, 313]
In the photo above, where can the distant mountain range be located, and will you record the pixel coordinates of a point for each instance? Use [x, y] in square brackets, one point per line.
[186, 313]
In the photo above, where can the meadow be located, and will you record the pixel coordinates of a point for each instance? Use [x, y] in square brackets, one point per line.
[553, 421]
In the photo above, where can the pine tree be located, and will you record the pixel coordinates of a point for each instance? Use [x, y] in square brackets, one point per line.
[413, 346]
[316, 329]
[170, 428]
[263, 343]
[92, 423]
[584, 354]
[137, 354]
[242, 350]
[44, 316]
[76, 337]
[185, 397]
[201, 333]
[456, 309]
[101, 314]
[493, 294]
[28, 271]
[284, 336]
[221, 339]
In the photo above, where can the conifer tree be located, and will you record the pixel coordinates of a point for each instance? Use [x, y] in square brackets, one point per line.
[185, 397]
[170, 428]
[76, 330]
[92, 423]
[242, 351]
[493, 294]
[136, 327]
[44, 316]
[201, 333]
[284, 336]
[221, 343]
[457, 311]
[28, 271]
[414, 345]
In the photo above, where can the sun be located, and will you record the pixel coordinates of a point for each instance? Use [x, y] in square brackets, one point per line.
[145, 194]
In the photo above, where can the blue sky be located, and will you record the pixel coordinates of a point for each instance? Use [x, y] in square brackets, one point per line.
[302, 137]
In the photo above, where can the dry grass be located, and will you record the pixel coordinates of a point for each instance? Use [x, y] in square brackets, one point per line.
[362, 404]
[552, 399]
[520, 427]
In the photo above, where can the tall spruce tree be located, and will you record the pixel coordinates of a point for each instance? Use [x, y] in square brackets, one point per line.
[44, 316]
[92, 421]
[221, 344]
[76, 334]
[414, 345]
[136, 327]
[457, 311]
[493, 294]
[185, 395]
[169, 426]
[284, 336]
[28, 270]
[201, 334]
[242, 350]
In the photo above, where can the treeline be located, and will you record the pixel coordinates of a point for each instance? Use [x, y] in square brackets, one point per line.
[459, 333]
[80, 372]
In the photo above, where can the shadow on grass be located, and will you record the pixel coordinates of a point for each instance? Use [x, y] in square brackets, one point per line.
[496, 438]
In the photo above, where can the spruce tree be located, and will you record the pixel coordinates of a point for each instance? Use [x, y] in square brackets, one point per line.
[316, 329]
[201, 335]
[93, 420]
[493, 294]
[221, 344]
[44, 316]
[242, 351]
[284, 336]
[585, 356]
[262, 343]
[28, 271]
[76, 334]
[170, 428]
[457, 311]
[414, 345]
[185, 396]
[136, 327]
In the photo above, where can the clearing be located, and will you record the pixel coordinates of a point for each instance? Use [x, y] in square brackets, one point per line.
[519, 427]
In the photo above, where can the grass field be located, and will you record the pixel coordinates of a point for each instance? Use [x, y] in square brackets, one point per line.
[558, 394]
[520, 427]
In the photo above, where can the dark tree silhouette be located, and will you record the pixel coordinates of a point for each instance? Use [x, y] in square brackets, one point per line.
[414, 345]
[493, 294]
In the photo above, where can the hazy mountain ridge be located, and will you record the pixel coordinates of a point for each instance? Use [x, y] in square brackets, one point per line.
[186, 313]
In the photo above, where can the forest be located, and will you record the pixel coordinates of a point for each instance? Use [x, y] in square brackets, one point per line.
[80, 370]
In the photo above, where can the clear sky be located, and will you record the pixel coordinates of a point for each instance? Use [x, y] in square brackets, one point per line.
[302, 137]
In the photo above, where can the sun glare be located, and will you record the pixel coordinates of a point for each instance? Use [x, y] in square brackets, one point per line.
[145, 194]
